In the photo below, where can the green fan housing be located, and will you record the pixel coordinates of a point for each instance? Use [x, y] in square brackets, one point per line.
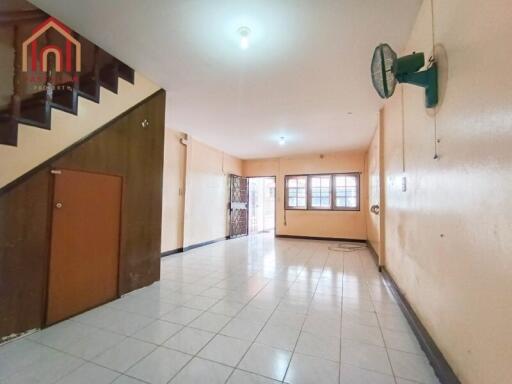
[387, 70]
[406, 71]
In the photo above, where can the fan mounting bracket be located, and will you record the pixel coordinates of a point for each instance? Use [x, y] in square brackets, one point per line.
[426, 79]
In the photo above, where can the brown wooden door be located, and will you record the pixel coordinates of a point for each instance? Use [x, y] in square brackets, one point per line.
[84, 254]
[239, 200]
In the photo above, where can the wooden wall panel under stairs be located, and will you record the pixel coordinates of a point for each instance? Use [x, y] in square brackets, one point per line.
[124, 147]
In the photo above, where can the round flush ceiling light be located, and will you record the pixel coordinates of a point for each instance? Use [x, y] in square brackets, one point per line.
[244, 33]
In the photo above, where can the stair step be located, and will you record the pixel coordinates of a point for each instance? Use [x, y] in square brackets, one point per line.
[35, 111]
[8, 130]
[89, 88]
[65, 98]
[126, 73]
[109, 76]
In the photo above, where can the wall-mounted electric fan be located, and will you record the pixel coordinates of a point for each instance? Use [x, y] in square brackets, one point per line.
[388, 69]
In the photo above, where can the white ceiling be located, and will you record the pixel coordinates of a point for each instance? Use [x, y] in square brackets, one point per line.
[305, 75]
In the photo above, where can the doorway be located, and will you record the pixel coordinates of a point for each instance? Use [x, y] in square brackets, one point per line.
[84, 255]
[238, 201]
[262, 204]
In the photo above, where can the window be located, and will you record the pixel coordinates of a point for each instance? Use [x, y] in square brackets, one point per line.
[296, 192]
[346, 190]
[320, 192]
[329, 192]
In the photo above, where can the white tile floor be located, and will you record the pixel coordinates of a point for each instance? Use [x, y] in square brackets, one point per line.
[250, 310]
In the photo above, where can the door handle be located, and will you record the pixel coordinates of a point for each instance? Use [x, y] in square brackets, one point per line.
[375, 209]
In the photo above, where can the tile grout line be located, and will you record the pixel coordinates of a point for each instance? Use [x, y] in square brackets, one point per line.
[343, 254]
[264, 325]
[125, 337]
[91, 361]
[85, 361]
[380, 327]
[302, 327]
[217, 334]
[294, 294]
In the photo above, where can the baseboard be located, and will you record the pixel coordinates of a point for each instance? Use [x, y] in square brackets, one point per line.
[172, 252]
[374, 254]
[193, 246]
[441, 367]
[321, 238]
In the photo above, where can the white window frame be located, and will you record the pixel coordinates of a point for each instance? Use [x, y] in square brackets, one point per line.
[287, 194]
[358, 192]
[310, 190]
[309, 195]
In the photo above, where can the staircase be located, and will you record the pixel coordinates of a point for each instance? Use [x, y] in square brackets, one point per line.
[35, 94]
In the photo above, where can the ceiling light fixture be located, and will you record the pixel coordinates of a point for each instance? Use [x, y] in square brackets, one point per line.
[244, 33]
[282, 140]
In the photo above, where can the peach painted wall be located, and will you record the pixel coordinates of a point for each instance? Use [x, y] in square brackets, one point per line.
[337, 224]
[207, 191]
[449, 236]
[173, 191]
[196, 192]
